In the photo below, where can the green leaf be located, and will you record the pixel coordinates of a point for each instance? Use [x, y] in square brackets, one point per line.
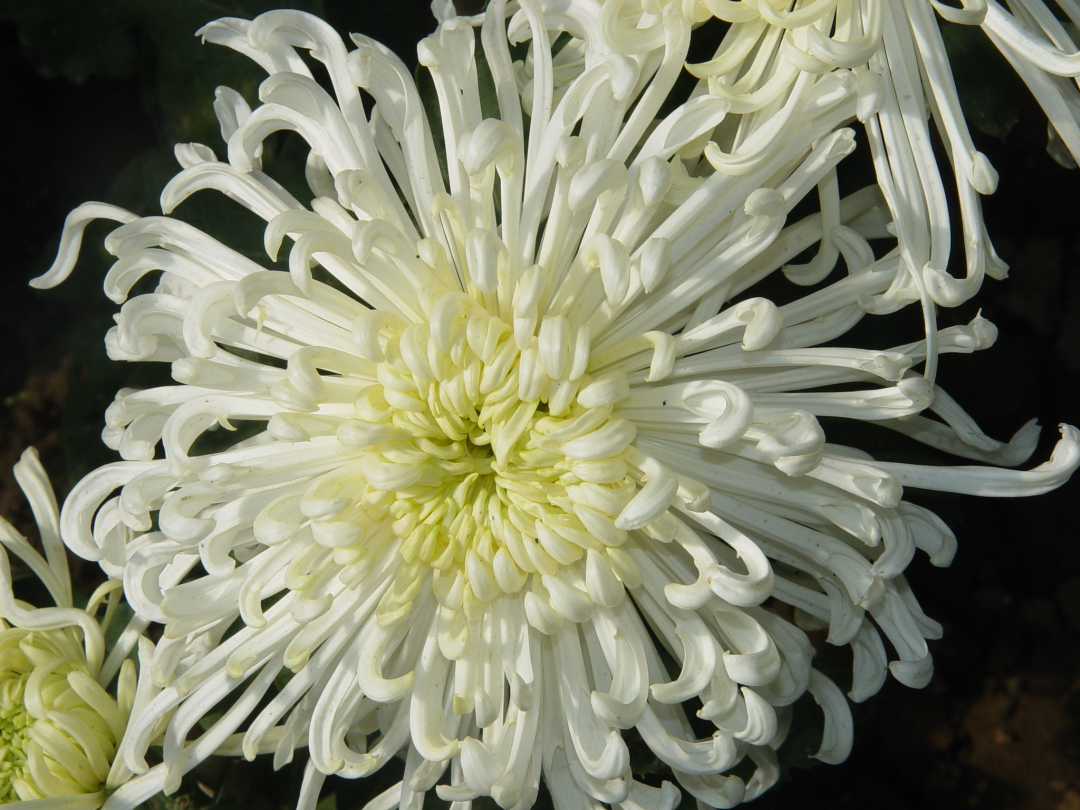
[80, 40]
[138, 185]
[489, 96]
[206, 722]
[986, 84]
[429, 96]
[75, 39]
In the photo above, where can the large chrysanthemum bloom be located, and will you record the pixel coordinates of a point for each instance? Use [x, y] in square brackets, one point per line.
[534, 454]
[775, 55]
[59, 726]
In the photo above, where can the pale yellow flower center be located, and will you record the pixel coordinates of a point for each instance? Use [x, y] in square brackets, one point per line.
[481, 463]
[14, 728]
[52, 741]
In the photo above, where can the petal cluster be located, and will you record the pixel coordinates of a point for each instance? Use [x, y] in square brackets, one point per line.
[530, 453]
[773, 55]
[60, 728]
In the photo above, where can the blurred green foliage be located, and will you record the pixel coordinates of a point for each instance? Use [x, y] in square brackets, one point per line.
[155, 39]
[989, 90]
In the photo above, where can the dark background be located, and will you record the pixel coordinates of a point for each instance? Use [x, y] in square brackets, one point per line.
[95, 94]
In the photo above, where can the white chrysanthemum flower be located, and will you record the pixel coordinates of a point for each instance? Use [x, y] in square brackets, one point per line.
[59, 727]
[775, 56]
[534, 454]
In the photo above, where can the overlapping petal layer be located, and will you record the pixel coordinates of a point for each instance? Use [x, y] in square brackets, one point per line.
[774, 55]
[61, 721]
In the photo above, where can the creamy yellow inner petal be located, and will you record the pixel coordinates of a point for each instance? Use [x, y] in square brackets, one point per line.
[483, 466]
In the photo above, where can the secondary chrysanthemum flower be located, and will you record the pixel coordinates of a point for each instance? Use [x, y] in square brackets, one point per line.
[529, 436]
[59, 727]
[775, 55]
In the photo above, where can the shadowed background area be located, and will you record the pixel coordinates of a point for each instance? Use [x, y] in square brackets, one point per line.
[96, 94]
